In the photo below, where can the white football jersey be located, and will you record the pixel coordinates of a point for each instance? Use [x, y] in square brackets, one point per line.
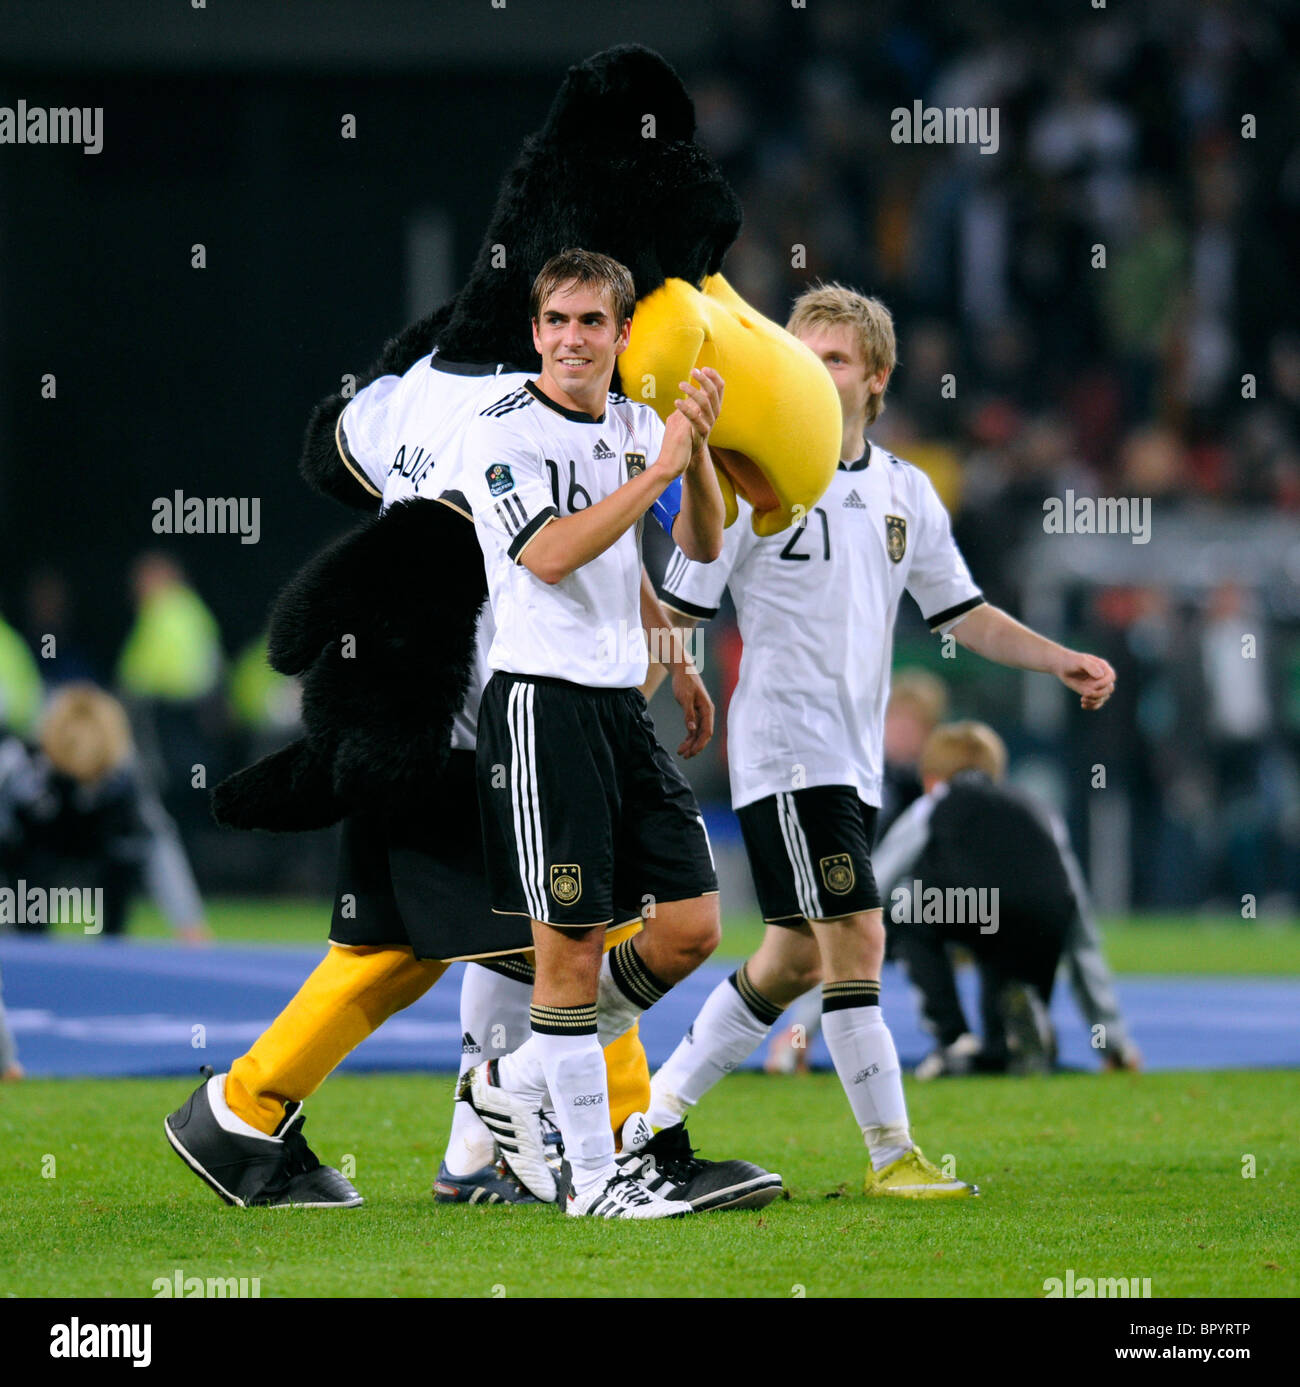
[816, 606]
[397, 438]
[524, 461]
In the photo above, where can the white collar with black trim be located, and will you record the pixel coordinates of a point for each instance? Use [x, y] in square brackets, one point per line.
[576, 416]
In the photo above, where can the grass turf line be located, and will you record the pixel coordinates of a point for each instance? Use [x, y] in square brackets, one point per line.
[1120, 1175]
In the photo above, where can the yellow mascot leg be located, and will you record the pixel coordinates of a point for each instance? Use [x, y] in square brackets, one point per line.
[351, 993]
[629, 1078]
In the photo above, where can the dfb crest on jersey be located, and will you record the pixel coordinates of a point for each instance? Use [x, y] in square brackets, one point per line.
[837, 871]
[635, 464]
[500, 479]
[895, 537]
[566, 882]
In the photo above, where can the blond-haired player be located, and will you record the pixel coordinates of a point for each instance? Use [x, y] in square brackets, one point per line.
[816, 607]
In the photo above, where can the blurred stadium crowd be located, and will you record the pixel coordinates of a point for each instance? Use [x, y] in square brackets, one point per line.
[1125, 134]
[1030, 366]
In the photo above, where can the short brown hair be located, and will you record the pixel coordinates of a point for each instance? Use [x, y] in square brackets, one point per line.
[963, 746]
[85, 733]
[585, 267]
[836, 305]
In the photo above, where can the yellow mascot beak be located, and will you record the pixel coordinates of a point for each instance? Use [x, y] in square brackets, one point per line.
[777, 438]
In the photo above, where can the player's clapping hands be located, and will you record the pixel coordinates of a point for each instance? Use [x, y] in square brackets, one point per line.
[1089, 676]
[702, 402]
[687, 429]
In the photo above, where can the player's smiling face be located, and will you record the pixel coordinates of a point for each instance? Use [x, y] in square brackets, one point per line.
[838, 349]
[578, 339]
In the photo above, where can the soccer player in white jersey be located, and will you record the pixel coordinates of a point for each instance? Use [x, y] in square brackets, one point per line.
[816, 607]
[396, 438]
[581, 806]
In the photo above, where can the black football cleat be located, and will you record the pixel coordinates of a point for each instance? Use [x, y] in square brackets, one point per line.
[666, 1164]
[255, 1172]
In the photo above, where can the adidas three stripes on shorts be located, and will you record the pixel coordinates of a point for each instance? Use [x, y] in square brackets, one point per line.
[586, 820]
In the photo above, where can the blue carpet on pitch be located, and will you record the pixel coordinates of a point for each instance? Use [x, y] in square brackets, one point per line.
[131, 1008]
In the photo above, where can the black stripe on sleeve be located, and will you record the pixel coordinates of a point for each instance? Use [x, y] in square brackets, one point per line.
[942, 618]
[512, 514]
[521, 539]
[505, 404]
[685, 608]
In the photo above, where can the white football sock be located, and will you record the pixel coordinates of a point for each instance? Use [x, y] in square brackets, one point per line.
[726, 1032]
[575, 1071]
[626, 989]
[616, 1013]
[864, 1056]
[493, 1021]
[523, 1072]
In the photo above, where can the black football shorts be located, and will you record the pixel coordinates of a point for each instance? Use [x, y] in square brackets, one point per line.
[581, 806]
[810, 854]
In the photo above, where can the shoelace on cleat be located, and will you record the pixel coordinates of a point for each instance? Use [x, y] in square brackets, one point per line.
[675, 1159]
[297, 1158]
[623, 1189]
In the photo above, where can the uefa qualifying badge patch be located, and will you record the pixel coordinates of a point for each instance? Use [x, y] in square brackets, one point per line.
[500, 479]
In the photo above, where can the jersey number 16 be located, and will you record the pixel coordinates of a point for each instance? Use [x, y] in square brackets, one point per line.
[575, 490]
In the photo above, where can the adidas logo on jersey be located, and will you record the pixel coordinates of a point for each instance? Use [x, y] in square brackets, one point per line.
[853, 501]
[470, 1046]
[602, 450]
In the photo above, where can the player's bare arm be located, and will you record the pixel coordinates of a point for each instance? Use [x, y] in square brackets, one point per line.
[567, 542]
[697, 530]
[669, 645]
[656, 674]
[990, 632]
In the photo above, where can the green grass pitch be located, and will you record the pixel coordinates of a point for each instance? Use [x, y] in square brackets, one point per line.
[1111, 1176]
[1122, 1175]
